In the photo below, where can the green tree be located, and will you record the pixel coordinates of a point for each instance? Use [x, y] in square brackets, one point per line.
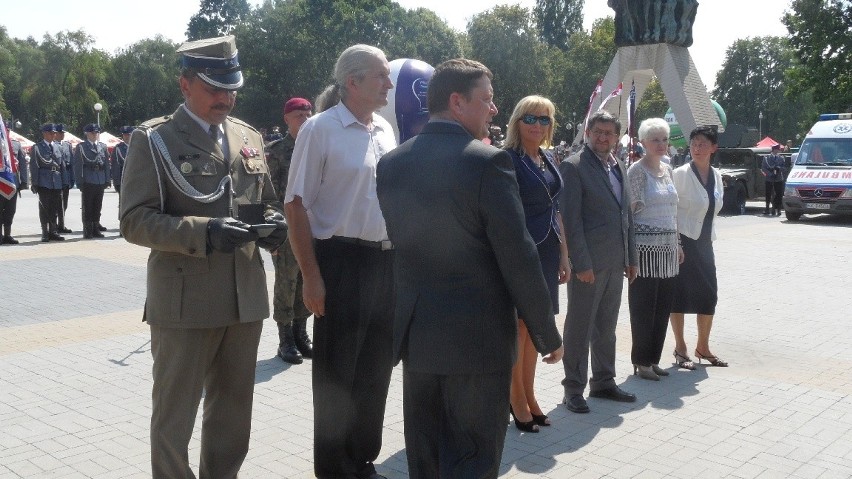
[821, 35]
[505, 40]
[557, 20]
[752, 81]
[216, 18]
[653, 103]
[142, 82]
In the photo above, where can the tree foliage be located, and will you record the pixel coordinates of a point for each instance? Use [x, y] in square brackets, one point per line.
[752, 81]
[821, 35]
[557, 20]
[216, 18]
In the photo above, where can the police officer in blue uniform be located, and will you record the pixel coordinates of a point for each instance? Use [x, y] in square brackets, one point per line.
[66, 155]
[46, 169]
[92, 171]
[8, 207]
[119, 153]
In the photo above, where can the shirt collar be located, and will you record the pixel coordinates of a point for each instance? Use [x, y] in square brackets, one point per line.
[347, 118]
[203, 124]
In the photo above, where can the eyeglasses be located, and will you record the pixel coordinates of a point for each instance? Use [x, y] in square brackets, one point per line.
[605, 134]
[543, 120]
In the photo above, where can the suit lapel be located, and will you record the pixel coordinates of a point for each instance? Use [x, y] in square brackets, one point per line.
[594, 164]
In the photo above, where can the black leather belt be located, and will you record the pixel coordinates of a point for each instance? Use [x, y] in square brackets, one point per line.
[382, 245]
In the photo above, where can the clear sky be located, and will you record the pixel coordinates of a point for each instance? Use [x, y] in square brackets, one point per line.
[119, 23]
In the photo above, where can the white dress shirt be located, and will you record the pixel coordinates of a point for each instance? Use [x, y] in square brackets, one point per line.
[333, 170]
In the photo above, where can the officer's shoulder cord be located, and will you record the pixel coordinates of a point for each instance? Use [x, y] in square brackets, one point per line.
[88, 160]
[175, 177]
[40, 160]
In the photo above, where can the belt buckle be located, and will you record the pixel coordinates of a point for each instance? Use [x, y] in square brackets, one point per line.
[385, 245]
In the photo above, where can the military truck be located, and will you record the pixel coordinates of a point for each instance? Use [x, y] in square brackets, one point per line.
[741, 175]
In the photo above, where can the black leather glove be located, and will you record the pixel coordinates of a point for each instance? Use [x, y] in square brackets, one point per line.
[278, 236]
[226, 234]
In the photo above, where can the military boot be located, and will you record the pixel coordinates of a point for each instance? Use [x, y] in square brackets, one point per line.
[287, 344]
[96, 232]
[53, 234]
[303, 341]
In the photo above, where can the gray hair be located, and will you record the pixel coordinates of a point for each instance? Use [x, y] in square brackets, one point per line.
[652, 126]
[354, 61]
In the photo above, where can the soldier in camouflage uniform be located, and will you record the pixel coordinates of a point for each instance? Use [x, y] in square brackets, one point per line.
[289, 311]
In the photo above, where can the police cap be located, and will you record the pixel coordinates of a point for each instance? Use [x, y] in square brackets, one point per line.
[48, 127]
[125, 130]
[214, 60]
[92, 128]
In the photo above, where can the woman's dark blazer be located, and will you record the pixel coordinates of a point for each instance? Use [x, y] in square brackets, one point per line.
[540, 207]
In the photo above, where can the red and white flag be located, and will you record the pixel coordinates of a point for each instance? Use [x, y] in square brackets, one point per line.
[595, 93]
[615, 93]
[8, 165]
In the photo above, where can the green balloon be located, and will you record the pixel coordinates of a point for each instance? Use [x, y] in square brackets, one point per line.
[676, 136]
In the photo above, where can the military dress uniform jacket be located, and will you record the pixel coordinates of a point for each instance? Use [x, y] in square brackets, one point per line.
[23, 168]
[119, 153]
[91, 164]
[67, 156]
[46, 166]
[279, 154]
[189, 286]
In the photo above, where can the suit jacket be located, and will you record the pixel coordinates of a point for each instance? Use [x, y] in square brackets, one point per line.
[598, 229]
[189, 286]
[464, 259]
[46, 166]
[91, 164]
[540, 206]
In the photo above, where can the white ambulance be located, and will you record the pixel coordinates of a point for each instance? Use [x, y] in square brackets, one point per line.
[820, 180]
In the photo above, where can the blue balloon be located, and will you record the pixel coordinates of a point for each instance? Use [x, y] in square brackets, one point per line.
[407, 110]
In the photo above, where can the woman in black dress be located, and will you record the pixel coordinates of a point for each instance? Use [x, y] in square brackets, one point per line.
[530, 129]
[699, 190]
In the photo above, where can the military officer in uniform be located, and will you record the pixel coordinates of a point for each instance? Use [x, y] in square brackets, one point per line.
[186, 176]
[46, 170]
[91, 169]
[8, 207]
[116, 159]
[289, 309]
[67, 155]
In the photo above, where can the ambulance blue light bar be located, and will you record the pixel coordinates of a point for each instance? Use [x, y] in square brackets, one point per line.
[835, 116]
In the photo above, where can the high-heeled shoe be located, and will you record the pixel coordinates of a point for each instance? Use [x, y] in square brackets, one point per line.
[645, 372]
[713, 360]
[541, 419]
[660, 371]
[529, 426]
[683, 361]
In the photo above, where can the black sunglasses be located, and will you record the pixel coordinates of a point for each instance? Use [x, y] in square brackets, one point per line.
[543, 120]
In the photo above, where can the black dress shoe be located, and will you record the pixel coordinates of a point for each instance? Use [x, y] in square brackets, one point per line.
[576, 403]
[9, 240]
[613, 394]
[56, 237]
[63, 229]
[100, 227]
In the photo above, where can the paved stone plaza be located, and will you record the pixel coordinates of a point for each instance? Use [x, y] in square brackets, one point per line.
[75, 371]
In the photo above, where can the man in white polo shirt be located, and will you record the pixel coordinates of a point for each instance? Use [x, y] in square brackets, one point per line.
[347, 271]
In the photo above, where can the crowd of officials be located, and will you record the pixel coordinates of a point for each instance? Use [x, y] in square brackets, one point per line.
[53, 167]
[442, 253]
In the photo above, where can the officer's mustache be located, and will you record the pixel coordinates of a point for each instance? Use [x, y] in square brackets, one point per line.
[221, 106]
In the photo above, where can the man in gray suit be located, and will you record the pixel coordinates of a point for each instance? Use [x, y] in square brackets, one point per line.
[599, 230]
[464, 261]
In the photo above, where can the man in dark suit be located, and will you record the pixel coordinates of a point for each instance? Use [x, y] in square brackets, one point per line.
[464, 261]
[598, 226]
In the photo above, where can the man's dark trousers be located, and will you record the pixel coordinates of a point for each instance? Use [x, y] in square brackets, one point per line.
[353, 358]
